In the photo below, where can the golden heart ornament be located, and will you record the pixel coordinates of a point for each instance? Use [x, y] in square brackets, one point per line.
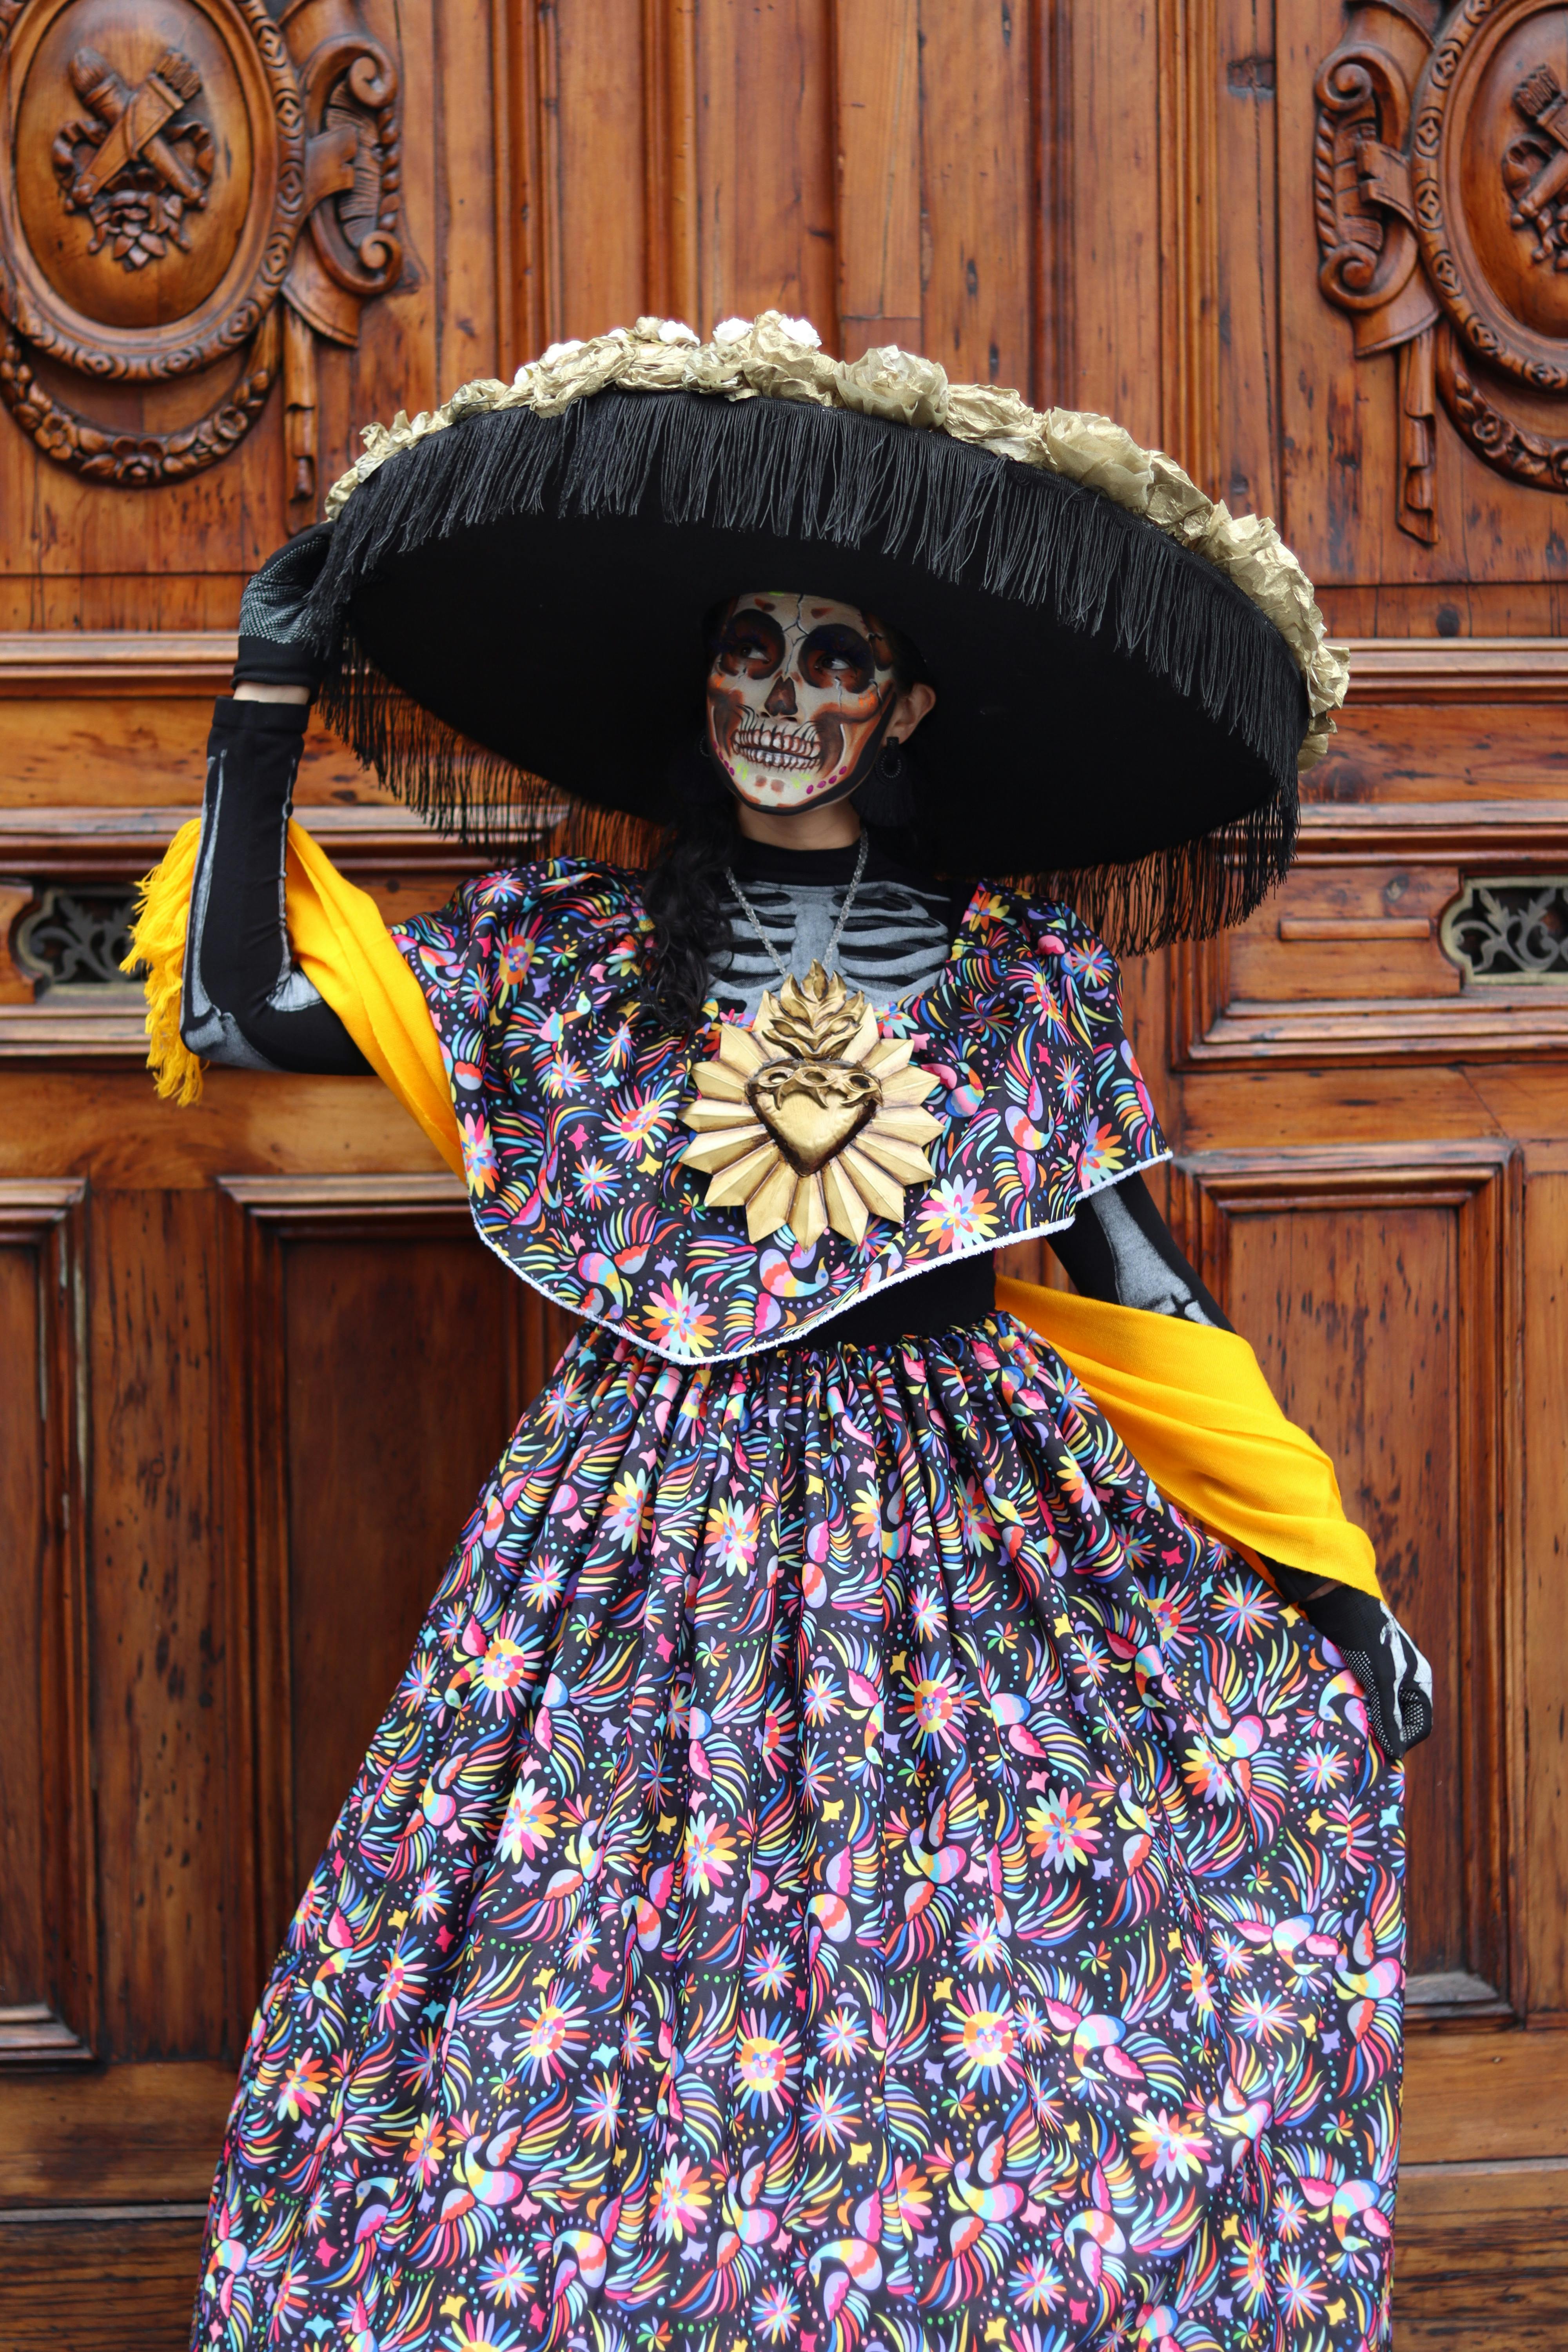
[810, 1120]
[812, 1109]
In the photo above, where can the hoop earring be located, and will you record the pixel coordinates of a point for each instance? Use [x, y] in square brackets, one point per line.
[890, 762]
[887, 795]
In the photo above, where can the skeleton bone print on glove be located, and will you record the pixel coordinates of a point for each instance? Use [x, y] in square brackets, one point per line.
[799, 689]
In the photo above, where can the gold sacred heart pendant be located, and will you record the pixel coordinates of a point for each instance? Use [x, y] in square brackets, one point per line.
[813, 1109]
[810, 1118]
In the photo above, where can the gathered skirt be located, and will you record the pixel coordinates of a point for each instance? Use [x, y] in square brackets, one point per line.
[847, 1864]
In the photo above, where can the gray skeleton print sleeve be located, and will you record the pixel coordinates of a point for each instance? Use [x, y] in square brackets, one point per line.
[1120, 1250]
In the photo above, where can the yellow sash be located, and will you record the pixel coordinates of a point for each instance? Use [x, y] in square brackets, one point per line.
[1189, 1402]
[1190, 1405]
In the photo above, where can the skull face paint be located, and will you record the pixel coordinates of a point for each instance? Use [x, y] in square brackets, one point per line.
[798, 690]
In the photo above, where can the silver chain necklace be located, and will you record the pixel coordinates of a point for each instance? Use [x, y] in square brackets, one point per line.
[750, 914]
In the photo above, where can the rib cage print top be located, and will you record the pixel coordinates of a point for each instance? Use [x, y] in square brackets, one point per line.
[894, 942]
[569, 1099]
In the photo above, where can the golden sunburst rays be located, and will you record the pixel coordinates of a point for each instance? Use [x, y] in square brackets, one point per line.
[810, 1118]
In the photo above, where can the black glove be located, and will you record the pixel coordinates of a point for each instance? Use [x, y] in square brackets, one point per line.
[1396, 1679]
[274, 647]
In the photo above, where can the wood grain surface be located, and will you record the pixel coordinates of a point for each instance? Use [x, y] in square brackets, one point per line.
[277, 1365]
[130, 2271]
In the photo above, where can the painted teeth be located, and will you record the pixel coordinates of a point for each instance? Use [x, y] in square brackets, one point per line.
[771, 747]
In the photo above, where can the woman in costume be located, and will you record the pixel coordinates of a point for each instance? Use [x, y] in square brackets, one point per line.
[890, 1834]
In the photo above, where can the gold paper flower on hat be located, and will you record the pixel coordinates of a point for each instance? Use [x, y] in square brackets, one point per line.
[811, 1119]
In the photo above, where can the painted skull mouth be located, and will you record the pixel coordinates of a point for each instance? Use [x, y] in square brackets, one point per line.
[778, 747]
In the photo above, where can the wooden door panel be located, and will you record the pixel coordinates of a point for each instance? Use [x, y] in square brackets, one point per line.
[764, 158]
[25, 1514]
[595, 244]
[1379, 1287]
[1486, 2098]
[1483, 2194]
[877, 78]
[48, 1975]
[161, 1629]
[1347, 963]
[1477, 2260]
[385, 1357]
[1543, 1849]
[131, 2280]
[119, 2135]
[1113, 206]
[978, 134]
[399, 1378]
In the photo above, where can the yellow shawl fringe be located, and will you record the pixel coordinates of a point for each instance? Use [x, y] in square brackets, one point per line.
[1190, 1402]
[158, 951]
[345, 950]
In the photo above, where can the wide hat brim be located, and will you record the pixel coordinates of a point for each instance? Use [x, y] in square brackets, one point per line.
[518, 603]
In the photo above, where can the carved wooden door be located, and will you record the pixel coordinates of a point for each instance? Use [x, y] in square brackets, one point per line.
[1371, 1075]
[253, 1366]
[229, 233]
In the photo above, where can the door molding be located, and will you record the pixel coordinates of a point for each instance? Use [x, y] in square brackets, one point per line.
[1480, 1181]
[265, 1215]
[49, 1220]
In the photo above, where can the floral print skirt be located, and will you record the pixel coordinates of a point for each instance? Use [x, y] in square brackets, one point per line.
[847, 1864]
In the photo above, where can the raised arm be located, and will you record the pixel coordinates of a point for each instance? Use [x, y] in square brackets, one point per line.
[1120, 1250]
[246, 1003]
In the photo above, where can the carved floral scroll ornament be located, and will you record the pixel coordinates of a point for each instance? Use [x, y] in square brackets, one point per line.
[1440, 187]
[189, 197]
[1510, 930]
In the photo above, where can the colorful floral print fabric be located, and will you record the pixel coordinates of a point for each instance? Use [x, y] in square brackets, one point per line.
[847, 1867]
[569, 1108]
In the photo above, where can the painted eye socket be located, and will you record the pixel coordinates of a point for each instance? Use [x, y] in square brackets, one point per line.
[753, 645]
[836, 654]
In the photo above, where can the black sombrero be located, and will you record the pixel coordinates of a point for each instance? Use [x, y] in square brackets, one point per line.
[1128, 678]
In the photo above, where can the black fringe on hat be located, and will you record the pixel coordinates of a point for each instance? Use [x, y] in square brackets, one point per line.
[798, 472]
[1190, 892]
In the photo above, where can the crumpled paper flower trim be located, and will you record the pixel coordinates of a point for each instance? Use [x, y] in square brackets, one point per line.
[777, 358]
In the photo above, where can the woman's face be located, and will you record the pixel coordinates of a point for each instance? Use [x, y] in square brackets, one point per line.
[798, 689]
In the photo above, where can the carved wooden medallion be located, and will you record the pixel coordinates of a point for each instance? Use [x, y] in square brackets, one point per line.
[161, 161]
[1441, 192]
